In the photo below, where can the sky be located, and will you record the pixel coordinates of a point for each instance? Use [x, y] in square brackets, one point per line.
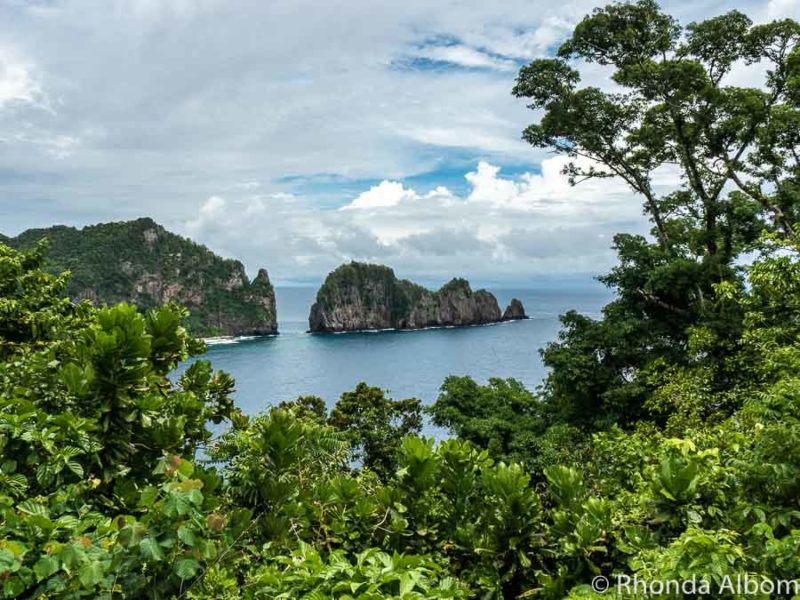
[299, 134]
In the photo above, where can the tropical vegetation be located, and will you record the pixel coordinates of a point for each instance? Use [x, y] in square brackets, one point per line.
[664, 443]
[142, 263]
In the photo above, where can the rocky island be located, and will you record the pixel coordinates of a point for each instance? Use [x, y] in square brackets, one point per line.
[514, 311]
[142, 263]
[359, 297]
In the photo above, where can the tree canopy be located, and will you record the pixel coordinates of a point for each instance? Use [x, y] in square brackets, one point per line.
[675, 111]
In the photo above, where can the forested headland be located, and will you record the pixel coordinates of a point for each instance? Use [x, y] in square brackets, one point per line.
[142, 263]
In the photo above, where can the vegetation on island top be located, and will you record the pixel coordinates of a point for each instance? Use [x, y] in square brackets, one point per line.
[664, 443]
[363, 277]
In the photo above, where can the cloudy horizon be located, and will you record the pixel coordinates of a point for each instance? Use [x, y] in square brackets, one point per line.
[297, 135]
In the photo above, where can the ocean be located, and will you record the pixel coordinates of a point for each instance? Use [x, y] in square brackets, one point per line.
[407, 363]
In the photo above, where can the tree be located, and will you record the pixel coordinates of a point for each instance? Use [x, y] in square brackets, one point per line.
[503, 416]
[675, 109]
[93, 490]
[310, 407]
[375, 425]
[735, 149]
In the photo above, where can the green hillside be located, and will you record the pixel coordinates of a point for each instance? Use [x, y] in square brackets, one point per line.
[143, 263]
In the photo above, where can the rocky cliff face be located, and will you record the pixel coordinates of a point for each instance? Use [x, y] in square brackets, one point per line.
[355, 297]
[143, 263]
[514, 311]
[358, 297]
[454, 304]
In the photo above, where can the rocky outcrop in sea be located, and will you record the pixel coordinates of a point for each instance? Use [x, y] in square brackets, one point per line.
[359, 297]
[514, 311]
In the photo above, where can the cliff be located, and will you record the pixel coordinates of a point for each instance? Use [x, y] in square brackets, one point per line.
[360, 296]
[143, 263]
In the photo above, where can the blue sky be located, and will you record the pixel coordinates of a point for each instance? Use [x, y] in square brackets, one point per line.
[296, 134]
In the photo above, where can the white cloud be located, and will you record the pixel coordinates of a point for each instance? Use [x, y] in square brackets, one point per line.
[213, 208]
[465, 56]
[783, 9]
[387, 193]
[487, 187]
[123, 108]
[392, 193]
[160, 10]
[503, 228]
[17, 82]
[460, 135]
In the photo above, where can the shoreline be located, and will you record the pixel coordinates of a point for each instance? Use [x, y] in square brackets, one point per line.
[219, 340]
[410, 329]
[225, 340]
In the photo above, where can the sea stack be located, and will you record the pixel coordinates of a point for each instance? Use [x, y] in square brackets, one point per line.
[359, 297]
[514, 311]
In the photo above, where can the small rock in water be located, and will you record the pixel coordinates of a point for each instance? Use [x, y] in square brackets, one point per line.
[514, 311]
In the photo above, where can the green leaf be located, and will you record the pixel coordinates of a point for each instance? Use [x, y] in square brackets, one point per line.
[186, 535]
[13, 588]
[32, 508]
[75, 467]
[186, 568]
[91, 574]
[196, 497]
[67, 522]
[148, 496]
[72, 555]
[407, 584]
[208, 550]
[46, 566]
[150, 549]
[8, 562]
[185, 467]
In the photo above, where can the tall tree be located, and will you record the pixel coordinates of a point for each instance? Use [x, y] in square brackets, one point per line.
[673, 106]
[375, 425]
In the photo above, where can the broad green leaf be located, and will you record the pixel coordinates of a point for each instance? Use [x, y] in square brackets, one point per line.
[186, 568]
[8, 562]
[186, 535]
[46, 566]
[150, 549]
[72, 555]
[148, 496]
[75, 467]
[91, 573]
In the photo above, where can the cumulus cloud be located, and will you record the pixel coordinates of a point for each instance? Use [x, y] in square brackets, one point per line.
[316, 132]
[17, 81]
[387, 193]
[782, 9]
[502, 228]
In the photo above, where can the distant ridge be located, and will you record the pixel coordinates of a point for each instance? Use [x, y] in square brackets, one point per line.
[141, 262]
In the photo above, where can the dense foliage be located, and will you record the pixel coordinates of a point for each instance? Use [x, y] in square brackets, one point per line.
[665, 443]
[103, 494]
[140, 262]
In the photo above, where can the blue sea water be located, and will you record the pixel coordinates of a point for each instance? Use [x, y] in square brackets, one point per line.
[406, 364]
